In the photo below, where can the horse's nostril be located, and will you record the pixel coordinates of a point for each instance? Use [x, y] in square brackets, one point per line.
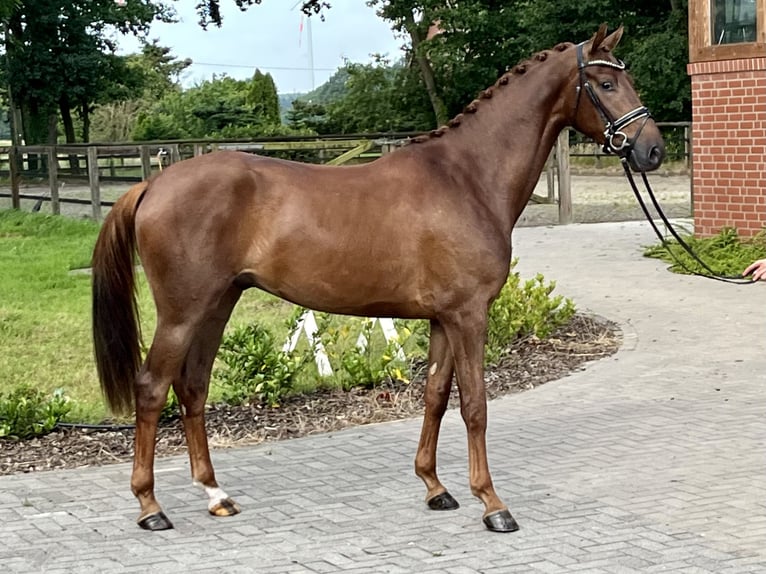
[656, 155]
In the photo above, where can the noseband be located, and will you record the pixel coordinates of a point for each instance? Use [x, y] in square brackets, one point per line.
[612, 127]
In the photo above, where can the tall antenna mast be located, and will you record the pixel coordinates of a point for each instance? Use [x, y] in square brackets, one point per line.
[310, 41]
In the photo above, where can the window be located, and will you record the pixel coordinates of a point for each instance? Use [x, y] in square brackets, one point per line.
[733, 21]
[726, 30]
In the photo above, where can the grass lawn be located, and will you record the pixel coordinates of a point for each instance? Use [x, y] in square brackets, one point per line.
[45, 335]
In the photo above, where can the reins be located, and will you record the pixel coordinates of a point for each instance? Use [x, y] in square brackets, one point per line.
[623, 149]
[734, 279]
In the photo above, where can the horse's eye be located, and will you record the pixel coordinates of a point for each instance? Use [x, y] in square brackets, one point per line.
[607, 86]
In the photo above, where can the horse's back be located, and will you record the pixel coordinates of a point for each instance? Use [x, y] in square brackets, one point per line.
[371, 239]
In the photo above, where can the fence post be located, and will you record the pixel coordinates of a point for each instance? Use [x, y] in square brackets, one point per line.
[95, 190]
[550, 175]
[53, 179]
[146, 162]
[198, 149]
[565, 180]
[13, 166]
[175, 154]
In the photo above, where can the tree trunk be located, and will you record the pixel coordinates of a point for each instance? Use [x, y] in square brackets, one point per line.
[66, 118]
[85, 115]
[426, 72]
[37, 131]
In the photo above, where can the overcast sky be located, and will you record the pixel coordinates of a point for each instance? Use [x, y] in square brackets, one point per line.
[268, 37]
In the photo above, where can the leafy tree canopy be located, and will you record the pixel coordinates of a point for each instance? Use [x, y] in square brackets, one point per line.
[222, 107]
[59, 55]
[209, 11]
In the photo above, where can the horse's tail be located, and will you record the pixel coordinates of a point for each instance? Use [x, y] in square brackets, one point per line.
[116, 329]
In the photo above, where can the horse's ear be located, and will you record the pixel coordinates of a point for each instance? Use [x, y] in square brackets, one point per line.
[598, 38]
[608, 44]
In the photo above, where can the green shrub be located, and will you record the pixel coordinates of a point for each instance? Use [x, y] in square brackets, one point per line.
[255, 367]
[171, 409]
[26, 412]
[370, 365]
[522, 310]
[725, 253]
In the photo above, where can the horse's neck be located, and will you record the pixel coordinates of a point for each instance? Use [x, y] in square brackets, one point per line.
[509, 139]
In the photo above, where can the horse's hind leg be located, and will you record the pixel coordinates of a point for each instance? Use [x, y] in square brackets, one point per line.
[163, 365]
[192, 390]
[438, 385]
[189, 328]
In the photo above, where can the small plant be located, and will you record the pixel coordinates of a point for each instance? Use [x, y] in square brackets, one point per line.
[171, 408]
[725, 253]
[255, 368]
[368, 365]
[26, 412]
[522, 310]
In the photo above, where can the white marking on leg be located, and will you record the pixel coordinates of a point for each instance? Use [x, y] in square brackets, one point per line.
[214, 493]
[433, 369]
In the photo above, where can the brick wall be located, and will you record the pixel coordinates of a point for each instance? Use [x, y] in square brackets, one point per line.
[729, 145]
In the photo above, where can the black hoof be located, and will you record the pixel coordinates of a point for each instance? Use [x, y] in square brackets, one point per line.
[500, 521]
[156, 521]
[443, 501]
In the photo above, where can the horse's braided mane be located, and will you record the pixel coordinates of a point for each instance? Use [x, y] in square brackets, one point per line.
[473, 107]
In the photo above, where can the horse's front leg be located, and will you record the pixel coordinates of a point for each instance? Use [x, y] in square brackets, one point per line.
[467, 332]
[438, 385]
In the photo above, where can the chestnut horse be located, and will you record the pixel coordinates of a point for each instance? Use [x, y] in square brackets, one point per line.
[331, 239]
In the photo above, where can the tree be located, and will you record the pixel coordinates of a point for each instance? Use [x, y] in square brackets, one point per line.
[209, 11]
[159, 69]
[376, 97]
[262, 96]
[156, 74]
[59, 57]
[376, 100]
[402, 15]
[221, 107]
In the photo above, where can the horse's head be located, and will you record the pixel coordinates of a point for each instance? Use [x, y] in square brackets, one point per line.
[607, 107]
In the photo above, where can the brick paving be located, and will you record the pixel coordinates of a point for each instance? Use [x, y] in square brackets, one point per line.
[653, 460]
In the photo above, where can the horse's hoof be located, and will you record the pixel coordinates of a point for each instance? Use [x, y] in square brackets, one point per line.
[500, 521]
[225, 507]
[156, 521]
[443, 501]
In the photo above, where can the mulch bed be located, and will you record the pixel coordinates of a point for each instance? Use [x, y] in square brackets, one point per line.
[529, 363]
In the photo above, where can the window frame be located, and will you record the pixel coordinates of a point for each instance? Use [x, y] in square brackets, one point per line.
[701, 47]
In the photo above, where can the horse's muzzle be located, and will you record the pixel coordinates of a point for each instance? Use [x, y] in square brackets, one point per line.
[648, 156]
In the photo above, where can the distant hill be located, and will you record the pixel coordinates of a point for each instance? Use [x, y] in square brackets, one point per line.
[286, 102]
[333, 89]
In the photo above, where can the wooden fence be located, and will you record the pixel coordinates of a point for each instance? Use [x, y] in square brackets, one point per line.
[125, 163]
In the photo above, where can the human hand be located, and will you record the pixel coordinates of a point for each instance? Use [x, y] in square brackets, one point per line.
[757, 268]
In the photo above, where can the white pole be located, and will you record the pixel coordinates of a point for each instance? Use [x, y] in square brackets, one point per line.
[310, 40]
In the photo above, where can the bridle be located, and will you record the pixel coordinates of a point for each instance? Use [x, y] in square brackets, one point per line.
[623, 148]
[612, 127]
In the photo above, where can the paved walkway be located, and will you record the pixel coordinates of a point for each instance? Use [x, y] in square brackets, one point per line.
[653, 460]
